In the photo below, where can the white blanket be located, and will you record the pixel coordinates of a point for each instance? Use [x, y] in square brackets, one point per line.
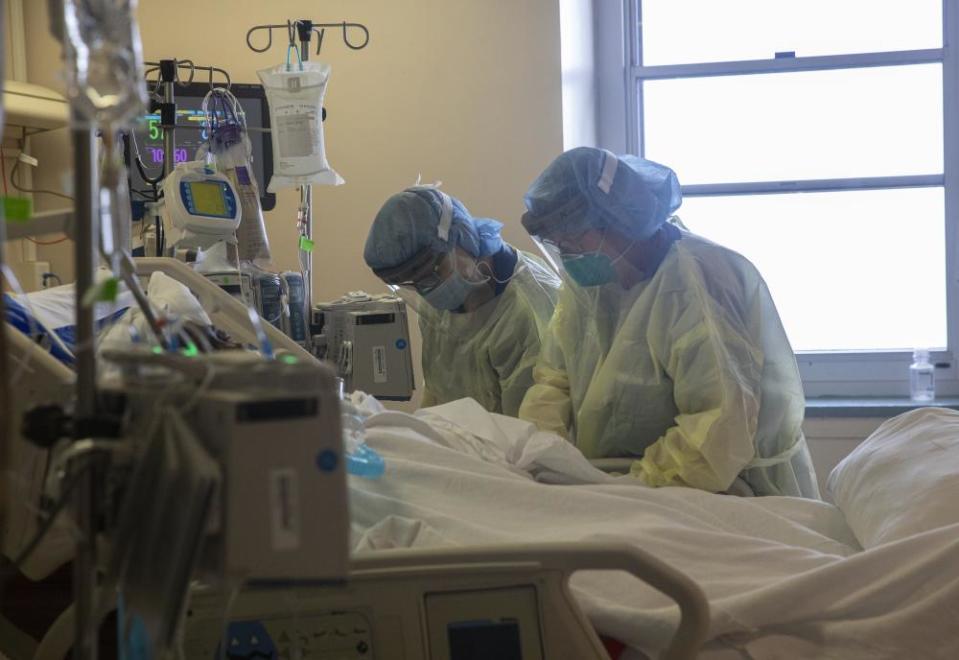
[785, 577]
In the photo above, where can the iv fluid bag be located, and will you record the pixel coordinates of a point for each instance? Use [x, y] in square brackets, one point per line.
[252, 243]
[295, 98]
[229, 145]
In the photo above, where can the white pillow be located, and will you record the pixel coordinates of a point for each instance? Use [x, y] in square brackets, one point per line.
[167, 295]
[903, 479]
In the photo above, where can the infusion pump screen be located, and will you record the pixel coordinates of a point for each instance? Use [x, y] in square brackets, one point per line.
[208, 198]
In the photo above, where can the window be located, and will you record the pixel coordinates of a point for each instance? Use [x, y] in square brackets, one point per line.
[819, 139]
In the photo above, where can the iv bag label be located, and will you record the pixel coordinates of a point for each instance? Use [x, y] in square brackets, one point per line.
[379, 364]
[284, 509]
[297, 135]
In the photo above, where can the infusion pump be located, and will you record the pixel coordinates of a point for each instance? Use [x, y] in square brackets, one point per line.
[200, 207]
[368, 339]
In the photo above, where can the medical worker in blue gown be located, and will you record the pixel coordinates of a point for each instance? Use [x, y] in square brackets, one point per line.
[664, 346]
[482, 304]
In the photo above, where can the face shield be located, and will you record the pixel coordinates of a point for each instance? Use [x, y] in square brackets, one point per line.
[571, 237]
[444, 281]
[560, 231]
[412, 281]
[442, 274]
[421, 274]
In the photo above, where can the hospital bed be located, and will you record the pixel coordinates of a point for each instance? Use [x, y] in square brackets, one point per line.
[496, 601]
[463, 516]
[872, 576]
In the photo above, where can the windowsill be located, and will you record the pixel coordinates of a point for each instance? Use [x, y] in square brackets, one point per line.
[871, 406]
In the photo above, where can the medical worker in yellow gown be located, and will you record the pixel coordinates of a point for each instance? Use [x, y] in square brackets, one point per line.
[482, 304]
[664, 346]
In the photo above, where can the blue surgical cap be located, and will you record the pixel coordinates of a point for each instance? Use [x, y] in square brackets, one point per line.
[409, 222]
[588, 188]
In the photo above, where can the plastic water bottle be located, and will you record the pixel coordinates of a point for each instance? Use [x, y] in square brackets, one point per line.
[922, 376]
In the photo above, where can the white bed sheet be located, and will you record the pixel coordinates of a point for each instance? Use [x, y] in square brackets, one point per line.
[785, 577]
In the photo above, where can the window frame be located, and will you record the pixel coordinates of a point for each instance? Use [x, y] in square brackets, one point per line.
[620, 73]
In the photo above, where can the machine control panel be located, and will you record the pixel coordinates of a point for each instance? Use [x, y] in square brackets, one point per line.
[318, 636]
[408, 604]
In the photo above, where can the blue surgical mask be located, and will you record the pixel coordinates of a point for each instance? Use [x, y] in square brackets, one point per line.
[591, 269]
[452, 292]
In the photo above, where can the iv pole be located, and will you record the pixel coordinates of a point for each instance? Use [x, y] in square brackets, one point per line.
[86, 225]
[168, 78]
[304, 214]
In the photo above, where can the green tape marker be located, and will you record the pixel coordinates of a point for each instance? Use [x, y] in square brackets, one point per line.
[306, 244]
[107, 291]
[17, 209]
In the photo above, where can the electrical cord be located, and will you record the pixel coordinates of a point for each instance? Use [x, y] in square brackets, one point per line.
[53, 242]
[51, 276]
[3, 170]
[138, 161]
[145, 194]
[154, 183]
[36, 191]
[160, 231]
[17, 187]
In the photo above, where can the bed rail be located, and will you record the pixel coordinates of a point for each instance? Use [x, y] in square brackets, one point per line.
[567, 557]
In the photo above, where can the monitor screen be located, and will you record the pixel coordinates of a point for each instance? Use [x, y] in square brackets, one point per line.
[191, 134]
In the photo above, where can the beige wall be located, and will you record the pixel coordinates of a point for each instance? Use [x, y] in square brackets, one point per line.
[464, 91]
